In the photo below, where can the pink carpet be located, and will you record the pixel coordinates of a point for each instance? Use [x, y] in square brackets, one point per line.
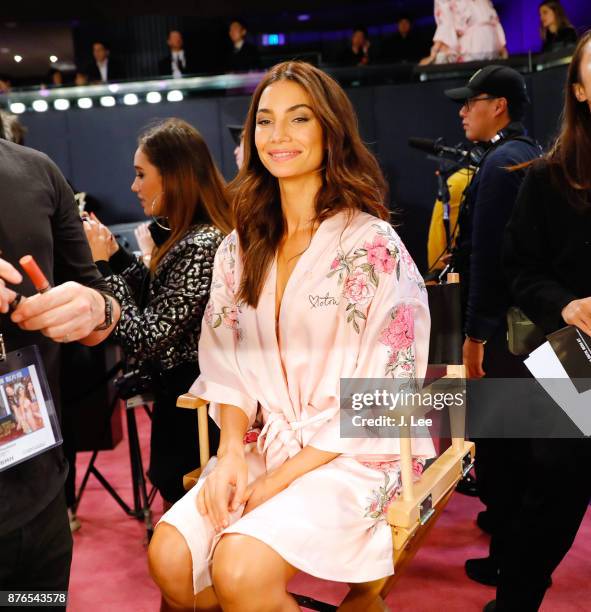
[109, 571]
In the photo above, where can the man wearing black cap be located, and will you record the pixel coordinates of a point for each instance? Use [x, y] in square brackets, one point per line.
[493, 104]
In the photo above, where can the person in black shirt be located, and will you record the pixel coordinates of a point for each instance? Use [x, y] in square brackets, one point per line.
[556, 30]
[406, 45]
[38, 216]
[242, 55]
[493, 104]
[103, 69]
[357, 51]
[547, 251]
[177, 62]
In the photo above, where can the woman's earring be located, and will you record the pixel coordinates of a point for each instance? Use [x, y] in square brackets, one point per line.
[155, 219]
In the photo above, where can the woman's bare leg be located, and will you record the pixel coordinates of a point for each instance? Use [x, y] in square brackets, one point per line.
[171, 568]
[249, 576]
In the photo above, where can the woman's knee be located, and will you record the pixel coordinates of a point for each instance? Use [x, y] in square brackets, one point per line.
[244, 564]
[171, 566]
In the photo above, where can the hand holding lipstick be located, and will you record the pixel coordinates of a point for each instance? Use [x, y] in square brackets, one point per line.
[65, 313]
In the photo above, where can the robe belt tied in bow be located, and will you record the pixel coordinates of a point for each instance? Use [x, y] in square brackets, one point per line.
[278, 441]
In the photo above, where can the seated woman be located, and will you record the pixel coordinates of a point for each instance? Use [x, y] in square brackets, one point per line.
[313, 286]
[467, 31]
[162, 303]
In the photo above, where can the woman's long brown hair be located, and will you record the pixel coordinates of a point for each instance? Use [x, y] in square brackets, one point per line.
[570, 156]
[562, 20]
[351, 176]
[193, 190]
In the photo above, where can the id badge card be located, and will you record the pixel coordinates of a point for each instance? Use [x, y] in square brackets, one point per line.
[28, 420]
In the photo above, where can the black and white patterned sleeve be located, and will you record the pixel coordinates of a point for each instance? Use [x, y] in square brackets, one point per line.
[181, 292]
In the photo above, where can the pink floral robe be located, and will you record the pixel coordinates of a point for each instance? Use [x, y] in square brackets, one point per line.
[470, 28]
[354, 306]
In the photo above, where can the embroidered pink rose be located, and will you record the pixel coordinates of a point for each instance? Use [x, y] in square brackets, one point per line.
[379, 256]
[400, 333]
[335, 263]
[358, 288]
[230, 317]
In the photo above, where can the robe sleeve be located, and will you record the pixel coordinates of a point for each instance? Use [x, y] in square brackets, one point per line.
[394, 342]
[220, 380]
[446, 26]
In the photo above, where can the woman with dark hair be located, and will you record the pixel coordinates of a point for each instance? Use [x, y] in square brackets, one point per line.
[547, 255]
[313, 286]
[179, 185]
[556, 30]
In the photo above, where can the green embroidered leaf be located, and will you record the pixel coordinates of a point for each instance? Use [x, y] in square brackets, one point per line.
[356, 326]
[360, 315]
[350, 317]
[398, 270]
[373, 276]
[217, 322]
[351, 305]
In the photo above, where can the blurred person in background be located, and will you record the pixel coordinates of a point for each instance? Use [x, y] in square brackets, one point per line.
[242, 55]
[177, 62]
[406, 45]
[237, 133]
[103, 69]
[11, 128]
[162, 304]
[357, 51]
[467, 31]
[556, 30]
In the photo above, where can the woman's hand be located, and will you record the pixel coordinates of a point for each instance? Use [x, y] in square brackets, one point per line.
[578, 313]
[101, 241]
[144, 240]
[224, 489]
[262, 489]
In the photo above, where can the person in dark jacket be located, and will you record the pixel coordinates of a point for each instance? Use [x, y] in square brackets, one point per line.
[556, 30]
[493, 104]
[357, 51]
[178, 62]
[162, 304]
[242, 55]
[103, 69]
[546, 254]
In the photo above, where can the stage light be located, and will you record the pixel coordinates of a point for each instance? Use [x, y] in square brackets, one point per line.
[61, 104]
[304, 17]
[113, 88]
[130, 99]
[40, 106]
[53, 59]
[153, 97]
[174, 96]
[107, 101]
[84, 103]
[18, 108]
[18, 59]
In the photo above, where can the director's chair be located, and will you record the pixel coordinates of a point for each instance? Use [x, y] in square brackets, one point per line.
[413, 514]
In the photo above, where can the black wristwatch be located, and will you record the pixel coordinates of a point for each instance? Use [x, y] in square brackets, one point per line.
[108, 314]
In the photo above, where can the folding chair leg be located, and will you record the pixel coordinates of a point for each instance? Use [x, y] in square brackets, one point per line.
[406, 555]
